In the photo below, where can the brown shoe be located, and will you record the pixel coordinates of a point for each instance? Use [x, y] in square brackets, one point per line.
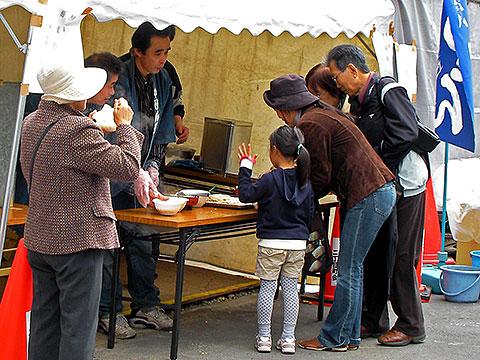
[352, 347]
[315, 344]
[394, 337]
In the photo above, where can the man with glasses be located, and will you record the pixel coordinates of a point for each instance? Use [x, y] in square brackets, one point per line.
[388, 120]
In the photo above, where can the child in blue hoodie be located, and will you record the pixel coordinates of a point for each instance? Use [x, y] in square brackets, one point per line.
[285, 211]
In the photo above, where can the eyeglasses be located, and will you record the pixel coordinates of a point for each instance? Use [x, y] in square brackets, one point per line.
[337, 75]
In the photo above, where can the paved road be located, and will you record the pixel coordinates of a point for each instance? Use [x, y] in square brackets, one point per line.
[226, 330]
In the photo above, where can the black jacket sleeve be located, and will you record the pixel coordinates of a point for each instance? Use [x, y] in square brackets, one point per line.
[401, 128]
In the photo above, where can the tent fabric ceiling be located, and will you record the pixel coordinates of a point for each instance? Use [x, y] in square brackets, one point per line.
[307, 16]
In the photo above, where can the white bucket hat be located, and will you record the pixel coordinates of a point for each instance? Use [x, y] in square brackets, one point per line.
[65, 85]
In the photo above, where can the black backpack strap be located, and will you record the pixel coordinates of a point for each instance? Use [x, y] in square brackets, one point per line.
[384, 84]
[427, 139]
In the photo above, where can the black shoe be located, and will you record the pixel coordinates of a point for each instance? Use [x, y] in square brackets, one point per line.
[366, 333]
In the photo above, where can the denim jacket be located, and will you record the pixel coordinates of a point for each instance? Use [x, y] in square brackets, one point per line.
[164, 132]
[165, 129]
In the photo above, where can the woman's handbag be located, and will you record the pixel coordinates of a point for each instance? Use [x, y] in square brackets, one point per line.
[318, 254]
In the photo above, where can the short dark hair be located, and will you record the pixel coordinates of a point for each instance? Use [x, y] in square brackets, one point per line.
[141, 37]
[346, 54]
[106, 61]
[172, 31]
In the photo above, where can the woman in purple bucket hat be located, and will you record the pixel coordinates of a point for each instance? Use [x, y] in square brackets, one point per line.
[342, 162]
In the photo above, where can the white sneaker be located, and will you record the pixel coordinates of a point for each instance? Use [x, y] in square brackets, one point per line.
[153, 319]
[263, 344]
[286, 346]
[122, 329]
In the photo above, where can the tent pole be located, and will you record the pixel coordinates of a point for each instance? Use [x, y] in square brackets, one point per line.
[442, 255]
[21, 47]
[14, 153]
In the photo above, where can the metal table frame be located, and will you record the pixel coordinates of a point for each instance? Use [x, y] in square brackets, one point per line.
[184, 237]
[186, 231]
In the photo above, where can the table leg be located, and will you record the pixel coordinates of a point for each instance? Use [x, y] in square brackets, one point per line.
[178, 293]
[323, 280]
[321, 297]
[326, 220]
[303, 282]
[112, 316]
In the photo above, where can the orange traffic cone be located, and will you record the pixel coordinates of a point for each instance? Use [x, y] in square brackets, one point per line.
[433, 238]
[331, 278]
[15, 308]
[418, 267]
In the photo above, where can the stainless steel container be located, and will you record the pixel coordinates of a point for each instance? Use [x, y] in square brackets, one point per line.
[220, 141]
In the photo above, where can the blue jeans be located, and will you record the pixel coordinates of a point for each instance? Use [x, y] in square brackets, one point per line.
[361, 225]
[141, 268]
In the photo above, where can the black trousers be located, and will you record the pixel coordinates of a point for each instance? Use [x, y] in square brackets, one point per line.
[66, 293]
[402, 286]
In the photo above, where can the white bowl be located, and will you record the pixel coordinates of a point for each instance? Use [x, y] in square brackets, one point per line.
[196, 198]
[171, 206]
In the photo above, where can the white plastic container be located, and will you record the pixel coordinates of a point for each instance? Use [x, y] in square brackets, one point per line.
[171, 206]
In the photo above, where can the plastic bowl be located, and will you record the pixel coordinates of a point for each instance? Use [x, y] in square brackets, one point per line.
[171, 206]
[196, 198]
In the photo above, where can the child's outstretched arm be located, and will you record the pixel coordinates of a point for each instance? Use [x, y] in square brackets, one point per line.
[248, 191]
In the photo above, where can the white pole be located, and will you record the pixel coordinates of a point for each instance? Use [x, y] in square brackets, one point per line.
[442, 254]
[14, 153]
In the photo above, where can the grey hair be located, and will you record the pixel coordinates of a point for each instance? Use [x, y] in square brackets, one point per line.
[346, 54]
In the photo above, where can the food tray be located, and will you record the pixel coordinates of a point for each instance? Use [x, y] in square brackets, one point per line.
[226, 201]
[229, 206]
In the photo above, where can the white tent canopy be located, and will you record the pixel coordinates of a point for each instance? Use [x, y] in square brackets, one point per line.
[59, 36]
[299, 17]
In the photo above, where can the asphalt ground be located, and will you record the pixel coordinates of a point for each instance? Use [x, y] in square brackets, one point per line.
[226, 330]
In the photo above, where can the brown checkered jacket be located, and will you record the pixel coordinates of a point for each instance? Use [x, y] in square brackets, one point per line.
[70, 207]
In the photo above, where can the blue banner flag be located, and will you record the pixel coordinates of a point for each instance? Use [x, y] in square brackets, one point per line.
[454, 99]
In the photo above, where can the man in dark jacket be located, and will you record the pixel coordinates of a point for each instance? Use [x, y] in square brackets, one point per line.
[388, 120]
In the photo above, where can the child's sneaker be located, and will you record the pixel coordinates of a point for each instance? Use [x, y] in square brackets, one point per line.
[264, 344]
[286, 346]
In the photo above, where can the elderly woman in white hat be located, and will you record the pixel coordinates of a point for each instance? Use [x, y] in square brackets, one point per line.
[68, 164]
[342, 161]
